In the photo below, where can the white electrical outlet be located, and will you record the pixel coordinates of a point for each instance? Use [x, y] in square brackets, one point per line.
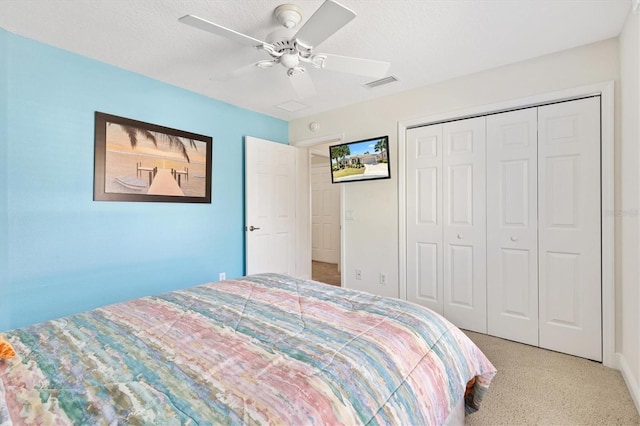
[358, 274]
[222, 276]
[383, 278]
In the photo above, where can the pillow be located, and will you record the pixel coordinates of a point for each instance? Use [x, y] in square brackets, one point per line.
[6, 350]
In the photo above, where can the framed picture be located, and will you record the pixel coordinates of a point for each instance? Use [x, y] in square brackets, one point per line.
[137, 161]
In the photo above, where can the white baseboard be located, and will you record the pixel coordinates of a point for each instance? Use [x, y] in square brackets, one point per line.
[632, 383]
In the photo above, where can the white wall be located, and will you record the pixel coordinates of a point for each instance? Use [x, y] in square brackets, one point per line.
[628, 215]
[371, 238]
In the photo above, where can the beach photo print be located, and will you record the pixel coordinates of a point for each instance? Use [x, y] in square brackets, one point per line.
[137, 161]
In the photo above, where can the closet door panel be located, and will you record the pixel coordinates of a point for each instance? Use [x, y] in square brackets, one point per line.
[512, 234]
[569, 235]
[460, 275]
[464, 213]
[460, 194]
[426, 288]
[424, 217]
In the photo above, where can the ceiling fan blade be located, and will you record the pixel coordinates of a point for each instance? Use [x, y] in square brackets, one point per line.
[366, 67]
[236, 73]
[328, 19]
[302, 84]
[216, 29]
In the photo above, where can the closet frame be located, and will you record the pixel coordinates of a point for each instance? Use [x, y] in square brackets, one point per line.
[606, 92]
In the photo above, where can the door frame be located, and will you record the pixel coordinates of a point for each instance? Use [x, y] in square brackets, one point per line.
[309, 143]
[607, 113]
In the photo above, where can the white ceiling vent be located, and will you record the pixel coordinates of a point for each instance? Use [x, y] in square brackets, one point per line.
[381, 82]
[292, 106]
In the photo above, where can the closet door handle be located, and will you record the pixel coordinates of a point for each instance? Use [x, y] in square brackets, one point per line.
[460, 236]
[514, 238]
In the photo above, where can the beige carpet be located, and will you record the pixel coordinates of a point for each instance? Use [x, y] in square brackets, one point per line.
[540, 387]
[325, 273]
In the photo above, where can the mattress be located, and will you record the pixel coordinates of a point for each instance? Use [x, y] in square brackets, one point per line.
[262, 349]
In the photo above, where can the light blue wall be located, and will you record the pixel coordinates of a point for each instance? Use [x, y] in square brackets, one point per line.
[4, 200]
[67, 253]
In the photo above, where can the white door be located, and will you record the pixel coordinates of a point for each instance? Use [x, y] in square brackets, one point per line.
[325, 215]
[464, 214]
[424, 217]
[512, 226]
[569, 227]
[270, 187]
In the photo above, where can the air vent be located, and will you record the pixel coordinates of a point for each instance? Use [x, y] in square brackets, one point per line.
[381, 82]
[292, 106]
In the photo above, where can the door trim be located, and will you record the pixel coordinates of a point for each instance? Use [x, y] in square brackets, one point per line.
[606, 91]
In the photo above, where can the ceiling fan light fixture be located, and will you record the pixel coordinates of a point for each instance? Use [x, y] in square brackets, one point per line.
[289, 15]
[289, 60]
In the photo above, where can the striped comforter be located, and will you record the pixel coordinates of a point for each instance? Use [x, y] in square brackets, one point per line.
[267, 349]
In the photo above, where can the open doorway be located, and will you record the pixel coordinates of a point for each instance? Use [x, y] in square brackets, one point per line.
[325, 212]
[325, 217]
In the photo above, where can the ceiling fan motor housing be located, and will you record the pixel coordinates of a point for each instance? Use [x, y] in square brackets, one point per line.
[281, 39]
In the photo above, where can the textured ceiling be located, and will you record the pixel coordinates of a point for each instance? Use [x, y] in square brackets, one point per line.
[426, 41]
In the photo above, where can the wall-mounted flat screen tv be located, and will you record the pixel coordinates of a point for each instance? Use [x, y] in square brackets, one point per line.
[360, 160]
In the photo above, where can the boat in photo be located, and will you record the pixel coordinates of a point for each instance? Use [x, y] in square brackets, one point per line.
[131, 183]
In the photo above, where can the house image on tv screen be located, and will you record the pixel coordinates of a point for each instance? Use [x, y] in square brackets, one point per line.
[361, 160]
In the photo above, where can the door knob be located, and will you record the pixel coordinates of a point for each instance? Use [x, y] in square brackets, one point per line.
[253, 228]
[514, 238]
[460, 236]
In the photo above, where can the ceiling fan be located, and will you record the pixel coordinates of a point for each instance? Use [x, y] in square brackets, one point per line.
[293, 49]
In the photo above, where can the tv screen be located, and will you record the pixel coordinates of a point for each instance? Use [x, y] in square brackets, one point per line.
[360, 160]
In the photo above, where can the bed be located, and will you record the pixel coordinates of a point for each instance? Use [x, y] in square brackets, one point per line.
[262, 349]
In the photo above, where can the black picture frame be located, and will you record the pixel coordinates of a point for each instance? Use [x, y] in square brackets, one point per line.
[144, 162]
[359, 161]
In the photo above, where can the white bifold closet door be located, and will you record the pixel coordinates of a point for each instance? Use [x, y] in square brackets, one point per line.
[464, 214]
[424, 217]
[446, 229]
[569, 227]
[505, 238]
[543, 227]
[512, 226]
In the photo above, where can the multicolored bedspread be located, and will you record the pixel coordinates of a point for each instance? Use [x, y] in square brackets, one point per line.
[267, 349]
